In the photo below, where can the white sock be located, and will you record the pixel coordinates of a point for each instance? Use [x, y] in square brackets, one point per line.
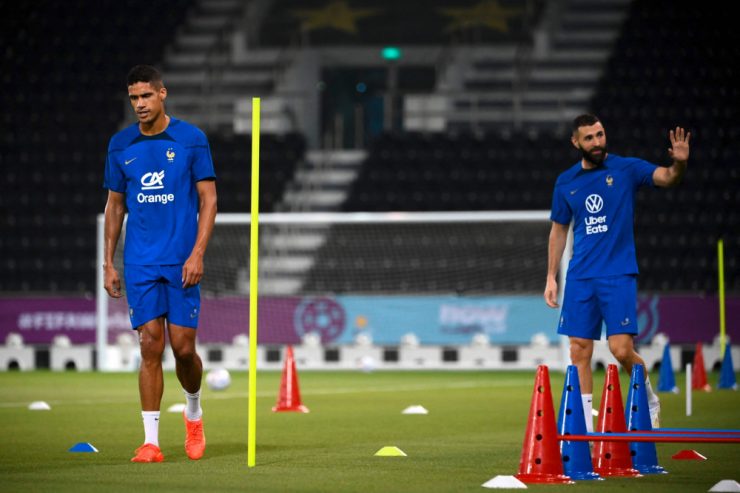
[192, 409]
[652, 397]
[151, 427]
[588, 411]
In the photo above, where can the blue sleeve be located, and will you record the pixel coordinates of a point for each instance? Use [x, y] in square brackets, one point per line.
[202, 162]
[560, 212]
[642, 173]
[114, 179]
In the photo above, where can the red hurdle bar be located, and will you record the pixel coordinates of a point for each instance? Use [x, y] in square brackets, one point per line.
[649, 437]
[662, 431]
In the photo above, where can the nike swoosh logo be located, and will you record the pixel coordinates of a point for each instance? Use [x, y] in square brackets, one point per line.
[572, 192]
[129, 161]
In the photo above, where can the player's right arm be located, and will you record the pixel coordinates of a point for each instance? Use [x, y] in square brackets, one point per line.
[555, 249]
[115, 209]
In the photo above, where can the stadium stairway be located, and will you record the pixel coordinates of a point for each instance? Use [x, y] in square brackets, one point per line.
[540, 83]
[320, 184]
[206, 75]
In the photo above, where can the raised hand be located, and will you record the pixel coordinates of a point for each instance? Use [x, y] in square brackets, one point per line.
[679, 150]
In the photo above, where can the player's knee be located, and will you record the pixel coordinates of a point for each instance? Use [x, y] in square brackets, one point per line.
[184, 353]
[622, 353]
[580, 353]
[152, 347]
[151, 351]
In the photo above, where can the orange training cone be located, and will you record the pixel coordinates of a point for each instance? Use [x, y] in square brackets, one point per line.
[699, 372]
[612, 458]
[290, 396]
[540, 462]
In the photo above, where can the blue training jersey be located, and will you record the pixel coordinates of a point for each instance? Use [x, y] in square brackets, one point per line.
[601, 203]
[158, 174]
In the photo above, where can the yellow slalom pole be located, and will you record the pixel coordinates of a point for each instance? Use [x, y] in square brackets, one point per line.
[722, 321]
[253, 272]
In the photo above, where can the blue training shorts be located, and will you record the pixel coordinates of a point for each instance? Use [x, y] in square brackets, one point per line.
[156, 290]
[589, 302]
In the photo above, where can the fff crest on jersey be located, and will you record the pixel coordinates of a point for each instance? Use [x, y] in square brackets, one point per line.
[170, 155]
[609, 180]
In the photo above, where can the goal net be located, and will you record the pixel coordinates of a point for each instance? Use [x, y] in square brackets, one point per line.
[444, 277]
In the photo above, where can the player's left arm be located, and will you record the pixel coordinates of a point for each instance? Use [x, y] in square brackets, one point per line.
[192, 270]
[679, 152]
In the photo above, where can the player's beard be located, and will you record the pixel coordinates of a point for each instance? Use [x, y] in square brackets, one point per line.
[595, 159]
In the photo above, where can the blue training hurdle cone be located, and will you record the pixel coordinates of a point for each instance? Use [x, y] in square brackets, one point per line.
[637, 416]
[666, 380]
[571, 421]
[727, 372]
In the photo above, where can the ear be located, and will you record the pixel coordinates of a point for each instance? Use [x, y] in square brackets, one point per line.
[574, 141]
[163, 93]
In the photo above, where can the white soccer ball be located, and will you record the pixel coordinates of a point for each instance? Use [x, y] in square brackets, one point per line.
[218, 379]
[367, 364]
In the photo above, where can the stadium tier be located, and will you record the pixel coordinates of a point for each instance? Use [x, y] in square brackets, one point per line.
[62, 98]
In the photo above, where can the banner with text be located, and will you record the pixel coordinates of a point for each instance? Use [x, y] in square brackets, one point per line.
[385, 319]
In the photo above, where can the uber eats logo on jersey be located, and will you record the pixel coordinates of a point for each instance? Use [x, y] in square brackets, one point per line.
[595, 224]
[154, 181]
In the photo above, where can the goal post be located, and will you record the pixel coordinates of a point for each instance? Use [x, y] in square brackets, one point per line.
[444, 276]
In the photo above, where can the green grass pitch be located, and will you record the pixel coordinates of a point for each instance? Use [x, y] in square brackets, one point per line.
[473, 432]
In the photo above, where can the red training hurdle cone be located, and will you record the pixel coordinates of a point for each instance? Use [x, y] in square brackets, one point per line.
[699, 372]
[540, 462]
[612, 458]
[290, 396]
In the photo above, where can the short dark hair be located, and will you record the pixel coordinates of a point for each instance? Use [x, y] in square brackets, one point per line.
[585, 120]
[144, 73]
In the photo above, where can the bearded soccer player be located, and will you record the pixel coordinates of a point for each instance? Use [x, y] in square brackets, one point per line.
[598, 195]
[160, 170]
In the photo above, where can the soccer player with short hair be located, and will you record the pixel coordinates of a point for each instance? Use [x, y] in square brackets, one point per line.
[598, 195]
[160, 170]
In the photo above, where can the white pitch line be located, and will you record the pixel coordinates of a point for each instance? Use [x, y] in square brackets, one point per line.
[363, 390]
[307, 392]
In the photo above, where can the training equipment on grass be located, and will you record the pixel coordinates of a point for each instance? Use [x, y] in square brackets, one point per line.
[612, 458]
[289, 398]
[688, 454]
[721, 282]
[689, 387]
[720, 431]
[504, 482]
[253, 278]
[637, 416]
[83, 447]
[636, 436]
[39, 406]
[726, 485]
[540, 461]
[415, 410]
[699, 375]
[667, 380]
[390, 451]
[571, 421]
[218, 379]
[727, 378]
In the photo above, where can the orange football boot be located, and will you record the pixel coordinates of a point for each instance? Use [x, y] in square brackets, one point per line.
[195, 439]
[148, 453]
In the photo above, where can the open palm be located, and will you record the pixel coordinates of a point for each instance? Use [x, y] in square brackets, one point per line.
[679, 150]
